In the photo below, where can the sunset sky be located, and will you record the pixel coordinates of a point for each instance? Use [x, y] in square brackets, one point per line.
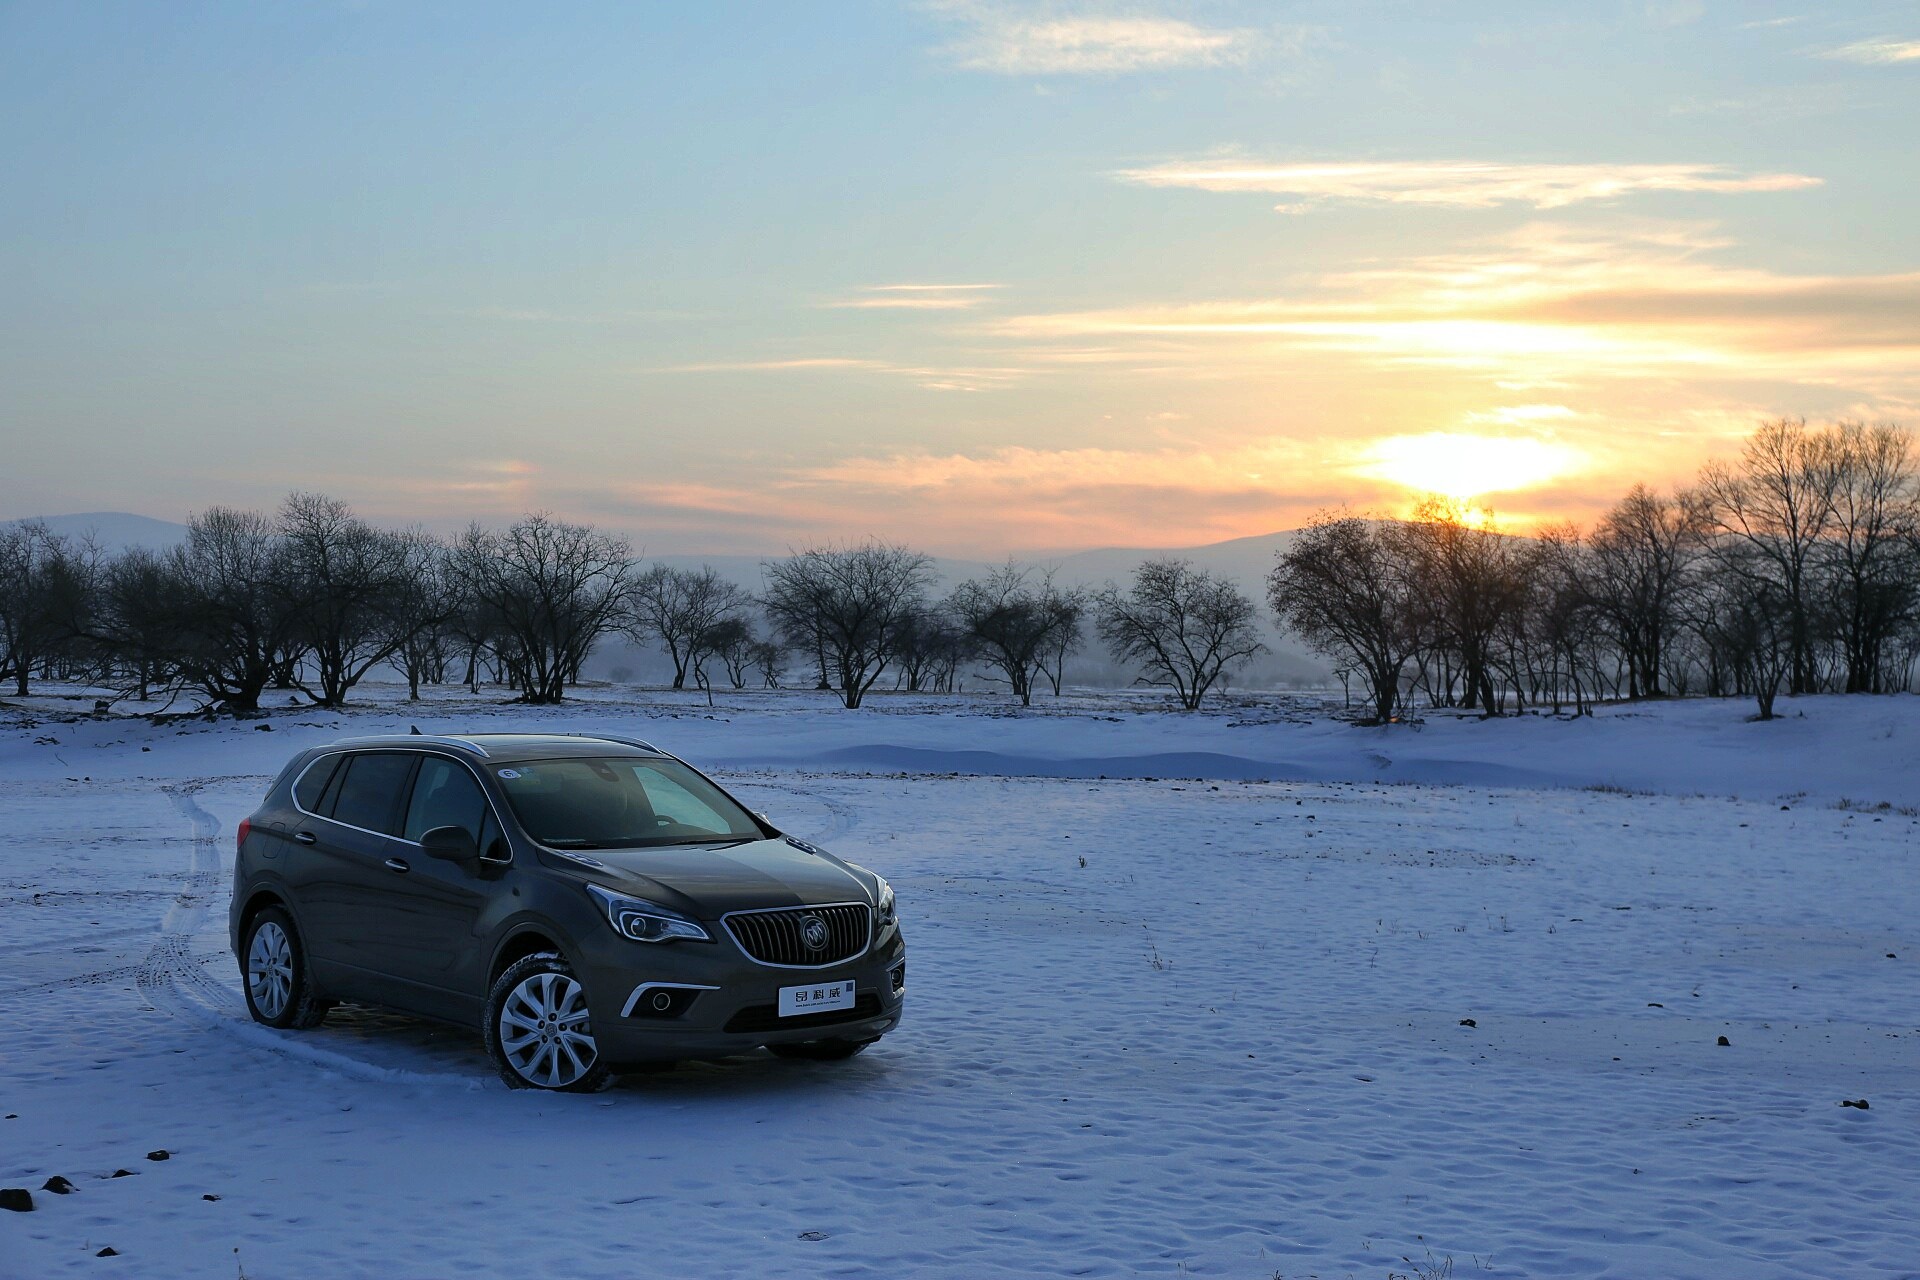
[979, 276]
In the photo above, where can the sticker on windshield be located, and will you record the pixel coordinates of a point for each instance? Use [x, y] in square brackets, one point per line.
[509, 773]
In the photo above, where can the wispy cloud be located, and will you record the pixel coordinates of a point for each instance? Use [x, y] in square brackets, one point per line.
[916, 297]
[930, 377]
[1458, 183]
[1014, 41]
[1873, 53]
[763, 366]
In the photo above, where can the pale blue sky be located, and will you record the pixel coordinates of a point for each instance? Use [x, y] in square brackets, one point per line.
[455, 260]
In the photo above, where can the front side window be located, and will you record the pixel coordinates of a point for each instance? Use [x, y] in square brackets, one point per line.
[621, 804]
[444, 795]
[370, 791]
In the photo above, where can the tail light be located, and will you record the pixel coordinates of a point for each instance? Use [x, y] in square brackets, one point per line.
[240, 835]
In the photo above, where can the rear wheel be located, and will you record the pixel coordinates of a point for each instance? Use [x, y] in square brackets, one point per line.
[537, 1030]
[819, 1050]
[275, 968]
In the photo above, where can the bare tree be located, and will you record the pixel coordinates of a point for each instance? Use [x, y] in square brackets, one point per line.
[932, 643]
[1644, 554]
[731, 640]
[1873, 579]
[768, 657]
[1182, 624]
[422, 625]
[1348, 587]
[1015, 623]
[346, 584]
[1779, 501]
[1071, 605]
[677, 607]
[228, 622]
[548, 590]
[134, 619]
[1475, 580]
[852, 604]
[1752, 621]
[44, 593]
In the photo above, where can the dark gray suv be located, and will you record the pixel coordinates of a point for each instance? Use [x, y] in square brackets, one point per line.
[592, 903]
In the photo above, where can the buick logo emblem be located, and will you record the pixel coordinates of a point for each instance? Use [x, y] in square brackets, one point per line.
[813, 932]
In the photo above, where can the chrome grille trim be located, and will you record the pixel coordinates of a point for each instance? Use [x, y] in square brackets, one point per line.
[771, 935]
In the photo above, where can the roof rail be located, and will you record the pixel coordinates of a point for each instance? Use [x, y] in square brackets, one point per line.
[625, 740]
[409, 739]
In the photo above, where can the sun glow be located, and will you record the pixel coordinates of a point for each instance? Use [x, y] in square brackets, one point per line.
[1463, 465]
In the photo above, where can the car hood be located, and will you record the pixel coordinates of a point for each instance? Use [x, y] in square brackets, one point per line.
[708, 880]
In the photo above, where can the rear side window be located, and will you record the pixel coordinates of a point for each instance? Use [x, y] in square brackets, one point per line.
[371, 793]
[444, 795]
[313, 783]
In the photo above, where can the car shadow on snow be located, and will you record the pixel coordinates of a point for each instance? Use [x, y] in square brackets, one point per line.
[413, 1049]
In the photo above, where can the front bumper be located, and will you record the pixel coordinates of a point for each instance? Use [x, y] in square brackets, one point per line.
[718, 1001]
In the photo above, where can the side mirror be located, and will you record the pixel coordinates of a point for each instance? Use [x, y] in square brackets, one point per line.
[451, 844]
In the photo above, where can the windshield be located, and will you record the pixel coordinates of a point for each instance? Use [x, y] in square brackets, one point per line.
[620, 804]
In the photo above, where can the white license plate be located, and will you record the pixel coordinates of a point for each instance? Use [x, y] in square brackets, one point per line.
[816, 999]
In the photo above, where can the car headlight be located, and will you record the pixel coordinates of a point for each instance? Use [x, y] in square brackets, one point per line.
[645, 921]
[885, 908]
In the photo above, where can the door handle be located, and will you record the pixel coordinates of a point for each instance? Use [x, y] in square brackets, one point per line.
[398, 864]
[304, 837]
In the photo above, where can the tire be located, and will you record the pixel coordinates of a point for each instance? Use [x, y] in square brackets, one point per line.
[537, 1031]
[273, 971]
[819, 1050]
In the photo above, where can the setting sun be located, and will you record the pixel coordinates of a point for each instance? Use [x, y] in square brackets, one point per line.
[1464, 465]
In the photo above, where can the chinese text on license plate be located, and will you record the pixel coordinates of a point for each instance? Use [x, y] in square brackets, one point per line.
[817, 999]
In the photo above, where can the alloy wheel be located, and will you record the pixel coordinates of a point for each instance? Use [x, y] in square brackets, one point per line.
[270, 970]
[544, 1031]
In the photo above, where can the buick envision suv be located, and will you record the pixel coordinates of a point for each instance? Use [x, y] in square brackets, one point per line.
[591, 903]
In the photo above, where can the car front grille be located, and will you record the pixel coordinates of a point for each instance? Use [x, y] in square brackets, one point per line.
[766, 1017]
[780, 937]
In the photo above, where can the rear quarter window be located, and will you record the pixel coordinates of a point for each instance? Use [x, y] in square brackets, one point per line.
[313, 783]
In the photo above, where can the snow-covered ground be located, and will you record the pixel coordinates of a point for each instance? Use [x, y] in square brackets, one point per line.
[1179, 1020]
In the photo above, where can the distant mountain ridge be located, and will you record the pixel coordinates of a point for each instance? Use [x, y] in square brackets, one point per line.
[115, 530]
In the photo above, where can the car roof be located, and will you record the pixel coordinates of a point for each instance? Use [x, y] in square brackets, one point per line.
[512, 746]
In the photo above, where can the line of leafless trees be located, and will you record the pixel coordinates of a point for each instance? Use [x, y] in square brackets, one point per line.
[312, 598]
[1795, 566]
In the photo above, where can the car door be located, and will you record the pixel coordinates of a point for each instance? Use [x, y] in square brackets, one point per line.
[421, 926]
[352, 857]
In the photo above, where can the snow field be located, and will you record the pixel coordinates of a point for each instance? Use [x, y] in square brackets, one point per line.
[1162, 1027]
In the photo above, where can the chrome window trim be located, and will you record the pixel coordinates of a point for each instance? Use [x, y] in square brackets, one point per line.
[811, 906]
[634, 999]
[294, 800]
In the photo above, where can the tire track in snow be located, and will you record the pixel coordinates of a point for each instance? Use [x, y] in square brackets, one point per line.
[176, 981]
[171, 969]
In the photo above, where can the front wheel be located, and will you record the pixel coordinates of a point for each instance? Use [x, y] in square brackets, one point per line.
[537, 1031]
[278, 992]
[819, 1050]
